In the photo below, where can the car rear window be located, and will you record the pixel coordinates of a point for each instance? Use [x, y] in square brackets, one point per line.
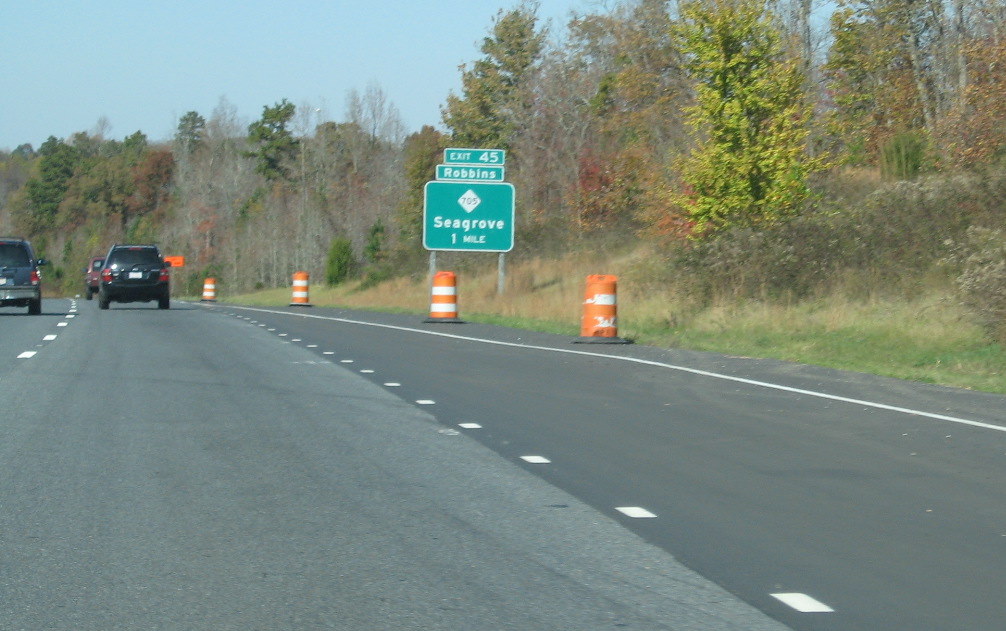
[134, 256]
[14, 255]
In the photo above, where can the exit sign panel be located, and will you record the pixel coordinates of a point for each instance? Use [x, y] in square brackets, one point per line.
[471, 216]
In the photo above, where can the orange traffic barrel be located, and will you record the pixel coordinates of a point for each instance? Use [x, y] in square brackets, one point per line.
[300, 290]
[209, 290]
[599, 324]
[444, 299]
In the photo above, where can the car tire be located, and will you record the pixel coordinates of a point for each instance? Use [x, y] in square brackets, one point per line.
[89, 293]
[164, 302]
[102, 301]
[35, 307]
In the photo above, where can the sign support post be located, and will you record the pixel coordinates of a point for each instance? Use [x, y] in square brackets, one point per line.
[501, 274]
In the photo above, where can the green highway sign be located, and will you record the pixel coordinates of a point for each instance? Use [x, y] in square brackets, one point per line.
[468, 216]
[474, 156]
[469, 173]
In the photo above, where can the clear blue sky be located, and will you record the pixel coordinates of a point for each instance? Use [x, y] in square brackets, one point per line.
[142, 64]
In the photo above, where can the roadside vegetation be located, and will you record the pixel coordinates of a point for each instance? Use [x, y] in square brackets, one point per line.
[924, 335]
[761, 185]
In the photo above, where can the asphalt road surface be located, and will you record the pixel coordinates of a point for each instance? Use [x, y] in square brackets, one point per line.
[226, 467]
[182, 469]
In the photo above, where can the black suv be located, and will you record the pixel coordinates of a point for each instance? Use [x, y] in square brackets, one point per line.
[20, 280]
[134, 273]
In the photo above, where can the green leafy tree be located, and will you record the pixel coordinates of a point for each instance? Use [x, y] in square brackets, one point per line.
[750, 165]
[134, 146]
[495, 90]
[893, 68]
[24, 152]
[44, 192]
[15, 169]
[374, 250]
[191, 133]
[423, 151]
[340, 263]
[274, 144]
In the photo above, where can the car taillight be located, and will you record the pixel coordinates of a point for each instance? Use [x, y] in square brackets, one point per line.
[164, 275]
[35, 277]
[106, 275]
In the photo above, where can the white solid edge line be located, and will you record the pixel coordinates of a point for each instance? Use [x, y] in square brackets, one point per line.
[803, 603]
[647, 362]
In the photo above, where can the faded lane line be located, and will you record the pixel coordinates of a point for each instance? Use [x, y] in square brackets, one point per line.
[694, 371]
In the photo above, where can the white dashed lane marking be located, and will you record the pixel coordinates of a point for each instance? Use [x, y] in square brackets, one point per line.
[535, 459]
[27, 355]
[470, 425]
[636, 512]
[49, 338]
[803, 603]
[426, 402]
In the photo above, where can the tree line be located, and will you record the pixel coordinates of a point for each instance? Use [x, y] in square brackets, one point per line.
[676, 122]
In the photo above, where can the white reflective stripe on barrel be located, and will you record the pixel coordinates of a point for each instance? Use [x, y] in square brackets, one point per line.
[601, 299]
